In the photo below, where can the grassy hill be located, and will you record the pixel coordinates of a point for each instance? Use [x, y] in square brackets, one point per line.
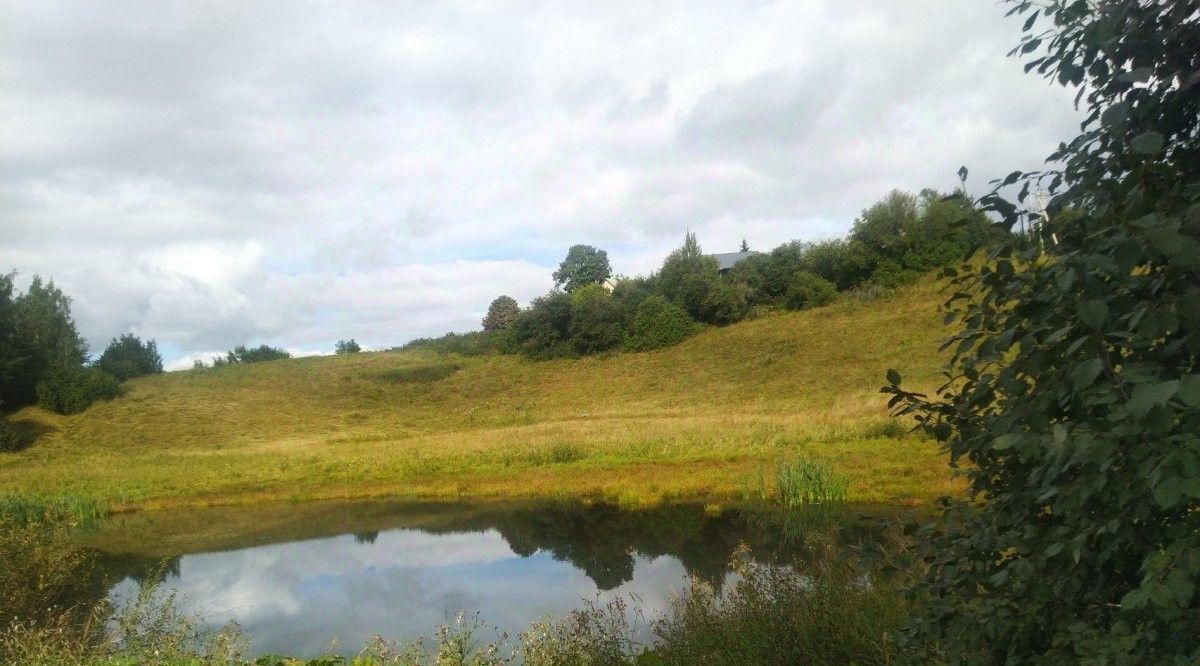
[695, 420]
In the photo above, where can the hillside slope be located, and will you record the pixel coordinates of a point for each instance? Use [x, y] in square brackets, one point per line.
[693, 420]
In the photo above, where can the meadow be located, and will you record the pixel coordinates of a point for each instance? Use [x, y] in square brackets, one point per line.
[697, 420]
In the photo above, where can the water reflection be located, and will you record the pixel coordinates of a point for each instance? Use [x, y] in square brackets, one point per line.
[298, 577]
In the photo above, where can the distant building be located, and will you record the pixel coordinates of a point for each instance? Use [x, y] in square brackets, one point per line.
[727, 260]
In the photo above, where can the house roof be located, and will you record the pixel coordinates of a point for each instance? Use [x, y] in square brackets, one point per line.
[727, 260]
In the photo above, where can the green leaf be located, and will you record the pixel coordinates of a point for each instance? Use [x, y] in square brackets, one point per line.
[1006, 441]
[1146, 396]
[1085, 373]
[1114, 116]
[1093, 313]
[1148, 143]
[1189, 390]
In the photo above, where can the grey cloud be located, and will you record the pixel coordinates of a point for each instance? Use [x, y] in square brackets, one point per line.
[397, 166]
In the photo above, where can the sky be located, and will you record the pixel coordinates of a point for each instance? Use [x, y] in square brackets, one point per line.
[209, 174]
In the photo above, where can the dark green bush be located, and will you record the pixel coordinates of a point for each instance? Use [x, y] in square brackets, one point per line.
[128, 357]
[596, 324]
[501, 314]
[72, 389]
[344, 347]
[806, 290]
[658, 324]
[474, 343]
[242, 354]
[1072, 405]
[544, 328]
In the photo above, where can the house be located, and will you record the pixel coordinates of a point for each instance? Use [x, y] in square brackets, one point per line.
[727, 260]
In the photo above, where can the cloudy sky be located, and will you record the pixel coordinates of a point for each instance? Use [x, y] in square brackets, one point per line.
[215, 173]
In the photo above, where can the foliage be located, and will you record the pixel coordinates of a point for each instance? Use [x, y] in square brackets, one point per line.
[658, 324]
[474, 343]
[501, 314]
[72, 389]
[825, 613]
[802, 481]
[629, 292]
[242, 354]
[687, 276]
[583, 265]
[344, 347]
[807, 290]
[129, 357]
[13, 353]
[596, 322]
[1072, 401]
[38, 335]
[543, 330]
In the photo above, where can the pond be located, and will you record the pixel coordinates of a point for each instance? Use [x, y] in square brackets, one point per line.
[300, 578]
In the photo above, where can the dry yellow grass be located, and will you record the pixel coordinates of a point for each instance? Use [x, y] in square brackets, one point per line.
[689, 421]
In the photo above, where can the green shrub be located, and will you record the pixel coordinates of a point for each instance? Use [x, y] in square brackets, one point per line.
[1072, 401]
[501, 314]
[474, 343]
[658, 324]
[344, 347]
[544, 328]
[72, 389]
[806, 290]
[128, 357]
[595, 320]
[259, 354]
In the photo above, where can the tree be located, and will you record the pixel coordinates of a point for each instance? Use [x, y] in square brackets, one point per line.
[583, 265]
[42, 338]
[13, 353]
[1072, 405]
[128, 357]
[745, 246]
[501, 314]
[346, 347]
[686, 276]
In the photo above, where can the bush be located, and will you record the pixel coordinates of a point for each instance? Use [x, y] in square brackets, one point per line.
[344, 347]
[544, 328]
[806, 290]
[1072, 401]
[129, 357]
[501, 314]
[595, 320]
[474, 343]
[259, 354]
[658, 324]
[72, 389]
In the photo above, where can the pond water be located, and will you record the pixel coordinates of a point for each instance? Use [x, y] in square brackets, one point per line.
[298, 578]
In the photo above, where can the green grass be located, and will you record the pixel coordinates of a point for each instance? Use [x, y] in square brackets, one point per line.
[690, 421]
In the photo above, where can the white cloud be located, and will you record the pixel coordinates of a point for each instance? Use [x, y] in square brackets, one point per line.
[294, 173]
